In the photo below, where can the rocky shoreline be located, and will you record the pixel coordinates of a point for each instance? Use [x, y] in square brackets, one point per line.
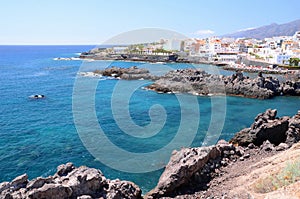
[191, 170]
[264, 70]
[201, 172]
[69, 182]
[198, 82]
[131, 57]
[149, 58]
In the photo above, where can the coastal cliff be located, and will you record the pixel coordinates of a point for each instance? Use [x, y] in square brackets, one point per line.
[234, 169]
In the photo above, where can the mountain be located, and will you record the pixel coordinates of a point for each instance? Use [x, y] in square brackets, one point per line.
[287, 29]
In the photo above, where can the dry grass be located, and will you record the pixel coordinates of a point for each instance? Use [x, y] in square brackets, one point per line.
[286, 176]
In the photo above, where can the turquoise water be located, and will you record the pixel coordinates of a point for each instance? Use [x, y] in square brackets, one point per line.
[38, 135]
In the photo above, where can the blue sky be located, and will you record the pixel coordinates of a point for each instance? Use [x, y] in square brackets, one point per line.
[94, 21]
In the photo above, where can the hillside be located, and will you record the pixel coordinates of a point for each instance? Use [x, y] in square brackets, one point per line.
[287, 29]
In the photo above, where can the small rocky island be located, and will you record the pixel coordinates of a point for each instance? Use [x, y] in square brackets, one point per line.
[233, 169]
[132, 73]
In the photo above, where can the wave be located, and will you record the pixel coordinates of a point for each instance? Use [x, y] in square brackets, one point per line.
[67, 59]
[58, 68]
[38, 74]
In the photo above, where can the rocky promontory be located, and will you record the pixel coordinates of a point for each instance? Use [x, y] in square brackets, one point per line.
[267, 126]
[198, 82]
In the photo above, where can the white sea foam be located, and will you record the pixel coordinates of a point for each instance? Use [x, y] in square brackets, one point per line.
[67, 59]
[38, 74]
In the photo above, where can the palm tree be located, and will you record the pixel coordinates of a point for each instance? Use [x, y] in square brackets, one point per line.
[294, 61]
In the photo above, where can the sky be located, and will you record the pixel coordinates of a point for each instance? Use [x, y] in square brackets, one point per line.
[95, 21]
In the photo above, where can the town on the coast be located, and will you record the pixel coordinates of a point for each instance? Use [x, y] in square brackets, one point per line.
[269, 55]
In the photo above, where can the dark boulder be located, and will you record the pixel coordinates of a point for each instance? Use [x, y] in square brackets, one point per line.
[190, 169]
[265, 127]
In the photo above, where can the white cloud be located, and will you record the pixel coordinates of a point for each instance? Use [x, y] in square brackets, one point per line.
[246, 29]
[204, 32]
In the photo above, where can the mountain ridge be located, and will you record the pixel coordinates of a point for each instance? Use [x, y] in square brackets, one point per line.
[271, 30]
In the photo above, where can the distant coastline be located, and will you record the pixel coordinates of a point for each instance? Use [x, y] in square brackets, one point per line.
[264, 67]
[167, 58]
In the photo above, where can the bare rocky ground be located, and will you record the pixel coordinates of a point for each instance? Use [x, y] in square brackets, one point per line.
[226, 179]
[230, 170]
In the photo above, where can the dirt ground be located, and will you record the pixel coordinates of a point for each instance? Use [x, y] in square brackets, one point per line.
[238, 179]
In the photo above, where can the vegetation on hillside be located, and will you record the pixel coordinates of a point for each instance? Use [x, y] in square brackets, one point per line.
[286, 176]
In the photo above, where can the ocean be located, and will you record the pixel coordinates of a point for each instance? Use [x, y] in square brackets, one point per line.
[38, 135]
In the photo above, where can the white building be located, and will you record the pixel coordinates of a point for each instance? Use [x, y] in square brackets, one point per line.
[296, 36]
[173, 44]
[227, 57]
[120, 49]
[282, 59]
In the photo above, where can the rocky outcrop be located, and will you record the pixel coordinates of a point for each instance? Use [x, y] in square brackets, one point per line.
[268, 127]
[293, 132]
[192, 170]
[132, 73]
[100, 54]
[199, 82]
[291, 88]
[260, 87]
[69, 182]
[193, 167]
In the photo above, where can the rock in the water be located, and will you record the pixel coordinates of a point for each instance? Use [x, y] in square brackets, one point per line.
[132, 73]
